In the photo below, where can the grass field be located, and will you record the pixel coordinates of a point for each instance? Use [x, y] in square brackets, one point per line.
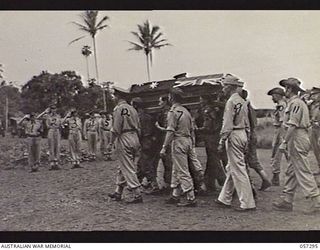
[77, 200]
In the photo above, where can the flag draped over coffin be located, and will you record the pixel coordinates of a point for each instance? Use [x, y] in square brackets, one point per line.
[215, 79]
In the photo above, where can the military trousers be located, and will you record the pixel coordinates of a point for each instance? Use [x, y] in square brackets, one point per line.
[299, 171]
[237, 176]
[34, 149]
[315, 142]
[127, 150]
[251, 154]
[92, 143]
[276, 155]
[105, 140]
[181, 151]
[195, 168]
[75, 146]
[54, 141]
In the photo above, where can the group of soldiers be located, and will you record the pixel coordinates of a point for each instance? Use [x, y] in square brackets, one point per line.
[96, 127]
[228, 127]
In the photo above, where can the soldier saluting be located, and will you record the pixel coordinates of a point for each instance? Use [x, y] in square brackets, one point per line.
[53, 122]
[74, 138]
[33, 128]
[125, 134]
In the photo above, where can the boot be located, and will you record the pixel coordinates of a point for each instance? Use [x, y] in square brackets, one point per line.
[135, 200]
[188, 203]
[275, 179]
[265, 182]
[115, 196]
[282, 205]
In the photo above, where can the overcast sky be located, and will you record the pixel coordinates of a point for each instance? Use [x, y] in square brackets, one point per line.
[260, 47]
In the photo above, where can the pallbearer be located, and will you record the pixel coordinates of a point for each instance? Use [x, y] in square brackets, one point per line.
[179, 132]
[234, 135]
[125, 135]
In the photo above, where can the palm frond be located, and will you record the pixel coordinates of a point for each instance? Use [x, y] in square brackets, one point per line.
[136, 46]
[79, 25]
[77, 39]
[156, 37]
[102, 27]
[105, 18]
[154, 30]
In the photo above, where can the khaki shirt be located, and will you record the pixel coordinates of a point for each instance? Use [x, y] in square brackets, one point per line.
[53, 121]
[125, 119]
[315, 113]
[278, 114]
[75, 124]
[105, 124]
[296, 113]
[33, 128]
[91, 125]
[235, 115]
[180, 121]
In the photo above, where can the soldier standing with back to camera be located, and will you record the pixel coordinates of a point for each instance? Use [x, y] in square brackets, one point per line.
[179, 132]
[33, 128]
[53, 122]
[315, 123]
[74, 138]
[278, 97]
[296, 141]
[234, 135]
[125, 135]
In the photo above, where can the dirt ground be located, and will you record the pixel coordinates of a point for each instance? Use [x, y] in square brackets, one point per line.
[76, 199]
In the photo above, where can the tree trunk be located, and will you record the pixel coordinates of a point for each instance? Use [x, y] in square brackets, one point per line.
[95, 58]
[148, 68]
[88, 73]
[6, 114]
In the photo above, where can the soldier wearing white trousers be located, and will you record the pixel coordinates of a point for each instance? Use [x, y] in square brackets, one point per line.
[234, 135]
[91, 133]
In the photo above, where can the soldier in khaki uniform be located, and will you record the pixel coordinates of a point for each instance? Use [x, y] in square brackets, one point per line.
[53, 122]
[296, 141]
[179, 132]
[33, 129]
[279, 99]
[315, 123]
[75, 127]
[125, 135]
[91, 133]
[105, 124]
[234, 135]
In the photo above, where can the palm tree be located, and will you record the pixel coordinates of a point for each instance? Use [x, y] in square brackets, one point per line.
[86, 51]
[149, 37]
[92, 25]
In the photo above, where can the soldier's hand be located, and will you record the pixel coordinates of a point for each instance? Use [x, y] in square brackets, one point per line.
[163, 152]
[283, 147]
[220, 148]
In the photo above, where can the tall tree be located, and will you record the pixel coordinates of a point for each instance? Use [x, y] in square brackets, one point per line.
[86, 52]
[92, 25]
[149, 38]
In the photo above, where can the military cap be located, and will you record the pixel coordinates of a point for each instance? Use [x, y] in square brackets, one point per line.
[277, 90]
[232, 80]
[315, 90]
[291, 82]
